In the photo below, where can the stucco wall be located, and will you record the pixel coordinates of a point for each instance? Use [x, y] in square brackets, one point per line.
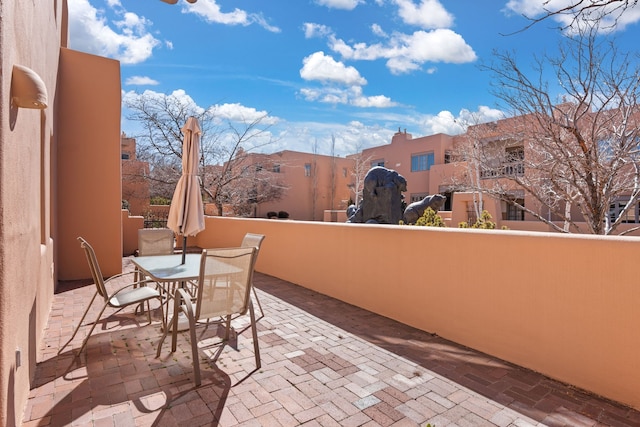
[29, 36]
[307, 197]
[563, 305]
[88, 164]
[130, 227]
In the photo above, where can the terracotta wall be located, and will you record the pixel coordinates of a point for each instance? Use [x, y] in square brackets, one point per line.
[89, 180]
[397, 156]
[30, 35]
[130, 227]
[298, 199]
[563, 305]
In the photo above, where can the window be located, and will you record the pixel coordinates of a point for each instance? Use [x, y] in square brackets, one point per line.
[276, 168]
[632, 216]
[377, 163]
[344, 172]
[514, 213]
[125, 156]
[448, 157]
[307, 169]
[422, 162]
[417, 197]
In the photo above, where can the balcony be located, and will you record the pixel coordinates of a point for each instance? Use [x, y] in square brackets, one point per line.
[328, 362]
[508, 169]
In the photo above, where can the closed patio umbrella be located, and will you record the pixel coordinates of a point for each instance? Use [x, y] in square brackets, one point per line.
[186, 214]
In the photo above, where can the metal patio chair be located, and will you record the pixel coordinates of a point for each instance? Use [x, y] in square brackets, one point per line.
[132, 293]
[223, 293]
[255, 240]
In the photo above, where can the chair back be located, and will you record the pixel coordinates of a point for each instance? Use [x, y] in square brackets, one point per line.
[98, 280]
[224, 285]
[254, 240]
[155, 241]
[251, 239]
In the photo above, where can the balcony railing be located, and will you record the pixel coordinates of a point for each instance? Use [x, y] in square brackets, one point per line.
[507, 169]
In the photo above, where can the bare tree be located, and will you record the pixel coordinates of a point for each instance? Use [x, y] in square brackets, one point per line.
[224, 146]
[582, 151]
[361, 165]
[220, 183]
[332, 172]
[470, 154]
[314, 179]
[575, 13]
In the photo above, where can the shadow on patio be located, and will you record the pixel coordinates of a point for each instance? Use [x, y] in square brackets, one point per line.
[324, 362]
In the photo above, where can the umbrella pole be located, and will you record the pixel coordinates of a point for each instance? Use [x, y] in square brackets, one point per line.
[184, 248]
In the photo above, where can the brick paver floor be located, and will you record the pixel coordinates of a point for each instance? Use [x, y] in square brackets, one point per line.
[324, 363]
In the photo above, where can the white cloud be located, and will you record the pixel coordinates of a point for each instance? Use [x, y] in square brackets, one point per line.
[210, 11]
[614, 17]
[357, 99]
[141, 81]
[127, 39]
[312, 30]
[426, 14]
[446, 122]
[355, 135]
[349, 137]
[407, 52]
[232, 112]
[324, 68]
[178, 96]
[340, 4]
[350, 96]
[241, 114]
[378, 31]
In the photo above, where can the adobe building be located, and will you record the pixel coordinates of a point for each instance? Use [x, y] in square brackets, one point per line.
[313, 184]
[135, 186]
[59, 178]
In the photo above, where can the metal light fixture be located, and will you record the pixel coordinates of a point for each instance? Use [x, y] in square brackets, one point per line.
[27, 89]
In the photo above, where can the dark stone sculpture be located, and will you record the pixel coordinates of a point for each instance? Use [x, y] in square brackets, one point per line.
[416, 209]
[381, 198]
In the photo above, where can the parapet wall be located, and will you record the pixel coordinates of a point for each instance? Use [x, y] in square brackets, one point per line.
[562, 305]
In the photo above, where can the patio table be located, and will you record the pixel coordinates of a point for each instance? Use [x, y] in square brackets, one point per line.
[166, 270]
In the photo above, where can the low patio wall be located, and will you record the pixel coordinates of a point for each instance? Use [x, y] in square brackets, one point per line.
[563, 305]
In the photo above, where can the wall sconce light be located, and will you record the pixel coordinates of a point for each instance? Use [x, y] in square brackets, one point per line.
[27, 89]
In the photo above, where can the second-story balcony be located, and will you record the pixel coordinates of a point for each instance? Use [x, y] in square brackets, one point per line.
[507, 169]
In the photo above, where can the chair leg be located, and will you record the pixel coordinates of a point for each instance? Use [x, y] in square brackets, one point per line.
[255, 294]
[149, 311]
[256, 347]
[227, 328]
[84, 343]
[194, 350]
[164, 336]
[79, 323]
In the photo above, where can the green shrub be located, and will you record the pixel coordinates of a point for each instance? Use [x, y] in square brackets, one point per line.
[483, 222]
[159, 200]
[430, 219]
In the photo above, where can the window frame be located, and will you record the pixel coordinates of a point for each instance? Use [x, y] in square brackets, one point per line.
[421, 162]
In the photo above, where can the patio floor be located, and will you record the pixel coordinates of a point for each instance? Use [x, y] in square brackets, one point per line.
[324, 363]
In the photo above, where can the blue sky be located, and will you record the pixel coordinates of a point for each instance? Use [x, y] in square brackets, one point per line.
[357, 70]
